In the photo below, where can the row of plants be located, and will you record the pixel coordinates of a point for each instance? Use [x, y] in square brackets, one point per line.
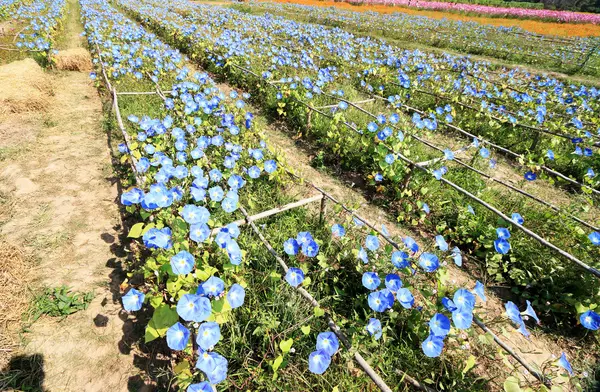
[5, 7]
[571, 55]
[210, 289]
[559, 119]
[38, 22]
[547, 280]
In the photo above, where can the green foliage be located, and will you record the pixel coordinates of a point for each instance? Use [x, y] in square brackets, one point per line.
[58, 302]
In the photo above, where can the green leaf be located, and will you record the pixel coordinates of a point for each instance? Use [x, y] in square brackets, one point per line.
[136, 230]
[163, 318]
[305, 329]
[318, 312]
[277, 363]
[512, 385]
[469, 364]
[286, 345]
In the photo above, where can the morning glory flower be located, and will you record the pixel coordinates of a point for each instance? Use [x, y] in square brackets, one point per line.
[411, 244]
[236, 296]
[318, 362]
[328, 342]
[502, 246]
[484, 152]
[595, 238]
[134, 196]
[357, 221]
[590, 320]
[304, 237]
[229, 203]
[199, 233]
[517, 218]
[204, 386]
[218, 371]
[400, 259]
[182, 263]
[177, 336]
[213, 287]
[371, 280]
[209, 334]
[338, 230]
[503, 233]
[564, 363]
[425, 208]
[158, 238]
[439, 325]
[448, 154]
[372, 127]
[441, 243]
[550, 155]
[291, 247]
[372, 243]
[438, 173]
[405, 297]
[379, 301]
[133, 300]
[310, 248]
[590, 173]
[393, 282]
[433, 346]
[530, 312]
[464, 300]
[462, 318]
[194, 214]
[457, 256]
[362, 255]
[513, 313]
[191, 307]
[449, 304]
[374, 328]
[479, 291]
[389, 159]
[470, 209]
[294, 276]
[216, 193]
[523, 330]
[530, 176]
[429, 262]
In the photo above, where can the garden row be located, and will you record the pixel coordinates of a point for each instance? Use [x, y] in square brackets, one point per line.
[569, 55]
[384, 146]
[214, 287]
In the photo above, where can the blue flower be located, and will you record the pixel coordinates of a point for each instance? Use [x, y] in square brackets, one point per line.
[564, 363]
[304, 237]
[517, 218]
[216, 193]
[595, 238]
[372, 127]
[530, 312]
[133, 300]
[457, 256]
[195, 215]
[441, 243]
[502, 246]
[199, 232]
[464, 300]
[328, 342]
[294, 276]
[411, 244]
[439, 325]
[217, 368]
[362, 255]
[448, 154]
[379, 301]
[400, 259]
[371, 280]
[254, 172]
[291, 247]
[177, 336]
[470, 209]
[429, 262]
[479, 291]
[484, 152]
[393, 282]
[192, 307]
[338, 230]
[513, 313]
[213, 287]
[530, 176]
[433, 346]
[158, 238]
[270, 166]
[236, 296]
[204, 386]
[209, 335]
[310, 248]
[182, 263]
[449, 304]
[318, 362]
[590, 320]
[503, 233]
[550, 155]
[372, 243]
[134, 196]
[374, 328]
[462, 319]
[229, 203]
[405, 297]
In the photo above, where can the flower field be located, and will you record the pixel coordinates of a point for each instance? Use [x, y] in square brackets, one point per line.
[241, 274]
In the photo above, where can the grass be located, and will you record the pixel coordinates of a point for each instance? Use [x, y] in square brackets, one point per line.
[58, 302]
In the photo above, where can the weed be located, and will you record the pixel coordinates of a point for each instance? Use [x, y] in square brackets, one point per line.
[58, 302]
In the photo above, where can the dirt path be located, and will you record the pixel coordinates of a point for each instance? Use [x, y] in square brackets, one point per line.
[62, 227]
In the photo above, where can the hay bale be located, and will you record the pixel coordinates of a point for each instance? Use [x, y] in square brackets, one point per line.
[77, 59]
[25, 87]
